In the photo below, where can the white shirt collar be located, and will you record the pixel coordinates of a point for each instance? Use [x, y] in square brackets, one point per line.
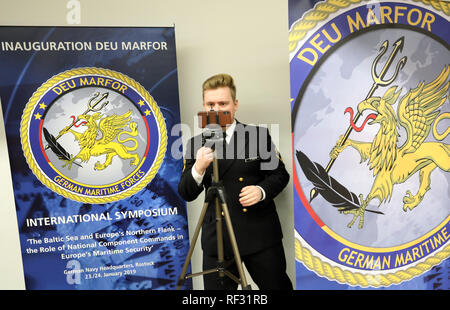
[230, 130]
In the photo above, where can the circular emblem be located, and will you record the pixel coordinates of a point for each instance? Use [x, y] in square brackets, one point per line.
[369, 95]
[93, 135]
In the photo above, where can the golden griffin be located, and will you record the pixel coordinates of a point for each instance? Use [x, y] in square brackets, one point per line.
[418, 113]
[110, 127]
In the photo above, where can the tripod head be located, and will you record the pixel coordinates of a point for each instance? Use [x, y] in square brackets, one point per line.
[215, 123]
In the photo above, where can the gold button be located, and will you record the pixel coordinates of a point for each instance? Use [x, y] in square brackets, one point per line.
[244, 210]
[223, 214]
[241, 179]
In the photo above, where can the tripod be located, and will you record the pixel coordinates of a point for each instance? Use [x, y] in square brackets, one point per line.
[216, 192]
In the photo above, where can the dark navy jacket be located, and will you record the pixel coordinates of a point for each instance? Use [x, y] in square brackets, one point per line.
[249, 159]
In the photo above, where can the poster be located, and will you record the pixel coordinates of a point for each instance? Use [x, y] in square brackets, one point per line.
[370, 109]
[88, 113]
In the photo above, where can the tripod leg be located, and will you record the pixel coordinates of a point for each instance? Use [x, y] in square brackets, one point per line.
[237, 256]
[181, 279]
[220, 253]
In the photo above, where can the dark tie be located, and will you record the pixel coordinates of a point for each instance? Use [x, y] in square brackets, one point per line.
[224, 145]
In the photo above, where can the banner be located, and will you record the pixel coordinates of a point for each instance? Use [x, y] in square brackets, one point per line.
[87, 113]
[370, 110]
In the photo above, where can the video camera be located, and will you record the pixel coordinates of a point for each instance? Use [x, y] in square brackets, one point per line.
[215, 123]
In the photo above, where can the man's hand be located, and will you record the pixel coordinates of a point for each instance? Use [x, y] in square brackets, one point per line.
[205, 156]
[250, 195]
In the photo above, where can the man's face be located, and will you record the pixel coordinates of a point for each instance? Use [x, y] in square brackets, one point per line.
[220, 99]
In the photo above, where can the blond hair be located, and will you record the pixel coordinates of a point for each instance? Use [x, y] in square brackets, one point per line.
[220, 80]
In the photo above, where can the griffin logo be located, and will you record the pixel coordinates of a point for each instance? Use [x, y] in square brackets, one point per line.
[370, 226]
[111, 128]
[417, 113]
[93, 135]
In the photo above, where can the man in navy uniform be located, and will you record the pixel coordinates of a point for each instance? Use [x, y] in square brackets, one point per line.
[252, 174]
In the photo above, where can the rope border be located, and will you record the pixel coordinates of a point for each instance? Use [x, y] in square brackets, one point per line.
[94, 71]
[322, 10]
[342, 276]
[299, 30]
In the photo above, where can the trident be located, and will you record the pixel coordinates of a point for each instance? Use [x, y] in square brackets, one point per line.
[377, 81]
[91, 107]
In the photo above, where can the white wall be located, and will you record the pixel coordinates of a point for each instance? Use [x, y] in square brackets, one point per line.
[247, 39]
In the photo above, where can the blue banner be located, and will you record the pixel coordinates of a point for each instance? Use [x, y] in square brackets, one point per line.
[88, 113]
[369, 103]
